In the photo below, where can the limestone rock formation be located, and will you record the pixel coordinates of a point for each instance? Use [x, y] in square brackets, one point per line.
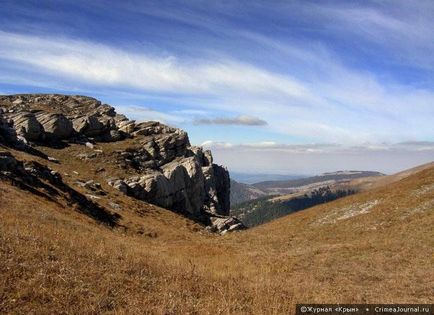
[27, 126]
[224, 224]
[169, 172]
[55, 125]
[177, 179]
[89, 126]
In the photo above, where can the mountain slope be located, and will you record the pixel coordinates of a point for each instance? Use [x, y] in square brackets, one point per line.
[367, 183]
[72, 243]
[375, 246]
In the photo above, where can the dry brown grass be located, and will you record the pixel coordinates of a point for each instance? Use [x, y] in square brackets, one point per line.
[55, 260]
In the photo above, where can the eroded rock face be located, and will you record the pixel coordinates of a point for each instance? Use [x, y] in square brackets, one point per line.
[175, 174]
[170, 172]
[27, 126]
[55, 125]
[184, 184]
[89, 126]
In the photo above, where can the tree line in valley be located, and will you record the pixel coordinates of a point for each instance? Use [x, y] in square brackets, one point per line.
[261, 210]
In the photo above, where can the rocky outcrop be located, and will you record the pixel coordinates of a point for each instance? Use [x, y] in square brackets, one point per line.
[218, 198]
[55, 125]
[27, 126]
[224, 224]
[186, 183]
[169, 172]
[89, 126]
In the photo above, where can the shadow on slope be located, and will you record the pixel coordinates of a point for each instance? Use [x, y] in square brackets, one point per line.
[43, 182]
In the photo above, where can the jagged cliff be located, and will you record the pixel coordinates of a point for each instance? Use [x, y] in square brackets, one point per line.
[168, 171]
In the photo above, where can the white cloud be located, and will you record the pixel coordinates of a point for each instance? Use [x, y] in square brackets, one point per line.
[322, 100]
[104, 65]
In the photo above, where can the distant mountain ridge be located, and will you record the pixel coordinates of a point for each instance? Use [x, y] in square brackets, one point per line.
[285, 186]
[252, 178]
[285, 189]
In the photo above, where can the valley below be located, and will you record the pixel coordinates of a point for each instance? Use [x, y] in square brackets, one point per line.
[262, 202]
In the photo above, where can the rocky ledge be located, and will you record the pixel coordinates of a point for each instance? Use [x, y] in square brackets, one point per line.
[169, 172]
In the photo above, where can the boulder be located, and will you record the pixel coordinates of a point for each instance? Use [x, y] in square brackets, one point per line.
[150, 128]
[207, 158]
[27, 126]
[225, 224]
[156, 187]
[89, 126]
[112, 135]
[126, 126]
[185, 179]
[186, 184]
[55, 125]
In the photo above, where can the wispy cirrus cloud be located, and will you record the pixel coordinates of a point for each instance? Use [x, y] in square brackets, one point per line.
[354, 74]
[104, 65]
[402, 28]
[328, 102]
[299, 74]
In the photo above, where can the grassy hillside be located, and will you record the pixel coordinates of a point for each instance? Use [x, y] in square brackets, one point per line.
[376, 246]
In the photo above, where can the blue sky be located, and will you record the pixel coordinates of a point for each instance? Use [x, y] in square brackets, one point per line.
[270, 86]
